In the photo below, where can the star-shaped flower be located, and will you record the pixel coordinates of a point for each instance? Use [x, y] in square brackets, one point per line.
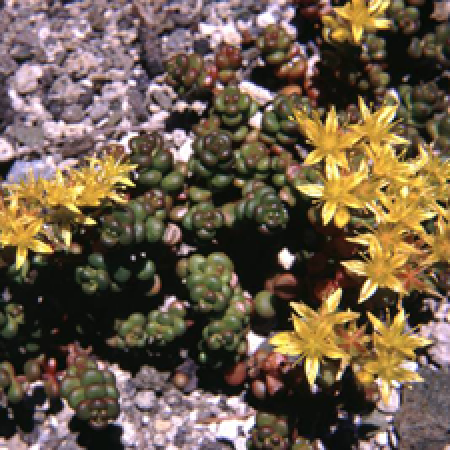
[329, 141]
[338, 193]
[362, 16]
[313, 338]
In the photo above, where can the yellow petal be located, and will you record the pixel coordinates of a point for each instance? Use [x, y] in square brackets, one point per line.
[40, 247]
[343, 317]
[87, 221]
[358, 267]
[357, 32]
[312, 158]
[66, 235]
[399, 319]
[367, 290]
[21, 256]
[328, 210]
[342, 217]
[311, 369]
[333, 300]
[302, 310]
[313, 190]
[376, 323]
[73, 208]
[363, 109]
[385, 391]
[125, 181]
[281, 338]
[331, 123]
[383, 23]
[364, 377]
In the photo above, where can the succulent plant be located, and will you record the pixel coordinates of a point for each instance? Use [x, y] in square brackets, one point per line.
[207, 125]
[439, 128]
[100, 275]
[155, 163]
[222, 344]
[275, 43]
[420, 102]
[252, 160]
[272, 374]
[228, 59]
[262, 204]
[208, 281]
[204, 219]
[276, 127]
[406, 18]
[213, 159]
[91, 392]
[9, 383]
[189, 72]
[224, 341]
[164, 326]
[269, 432]
[11, 318]
[140, 220]
[234, 108]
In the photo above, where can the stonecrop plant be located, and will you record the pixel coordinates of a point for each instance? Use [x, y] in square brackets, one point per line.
[395, 209]
[327, 197]
[38, 214]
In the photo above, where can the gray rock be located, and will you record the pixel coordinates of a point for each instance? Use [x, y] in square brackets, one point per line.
[44, 168]
[424, 418]
[162, 99]
[145, 400]
[22, 52]
[6, 150]
[86, 97]
[63, 88]
[201, 46]
[69, 445]
[73, 113]
[32, 136]
[137, 103]
[7, 64]
[152, 55]
[98, 111]
[26, 78]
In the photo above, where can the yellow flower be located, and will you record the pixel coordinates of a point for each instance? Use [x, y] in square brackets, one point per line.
[405, 210]
[364, 17]
[389, 236]
[391, 336]
[389, 368]
[112, 170]
[338, 194]
[29, 188]
[58, 192]
[439, 244]
[329, 142]
[436, 172]
[100, 179]
[327, 312]
[22, 234]
[336, 30]
[381, 270]
[313, 338]
[437, 168]
[377, 126]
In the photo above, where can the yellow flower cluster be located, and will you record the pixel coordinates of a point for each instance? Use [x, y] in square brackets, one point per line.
[396, 209]
[328, 334]
[349, 22]
[38, 214]
[382, 197]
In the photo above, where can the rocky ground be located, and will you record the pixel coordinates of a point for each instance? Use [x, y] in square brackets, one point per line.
[75, 74]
